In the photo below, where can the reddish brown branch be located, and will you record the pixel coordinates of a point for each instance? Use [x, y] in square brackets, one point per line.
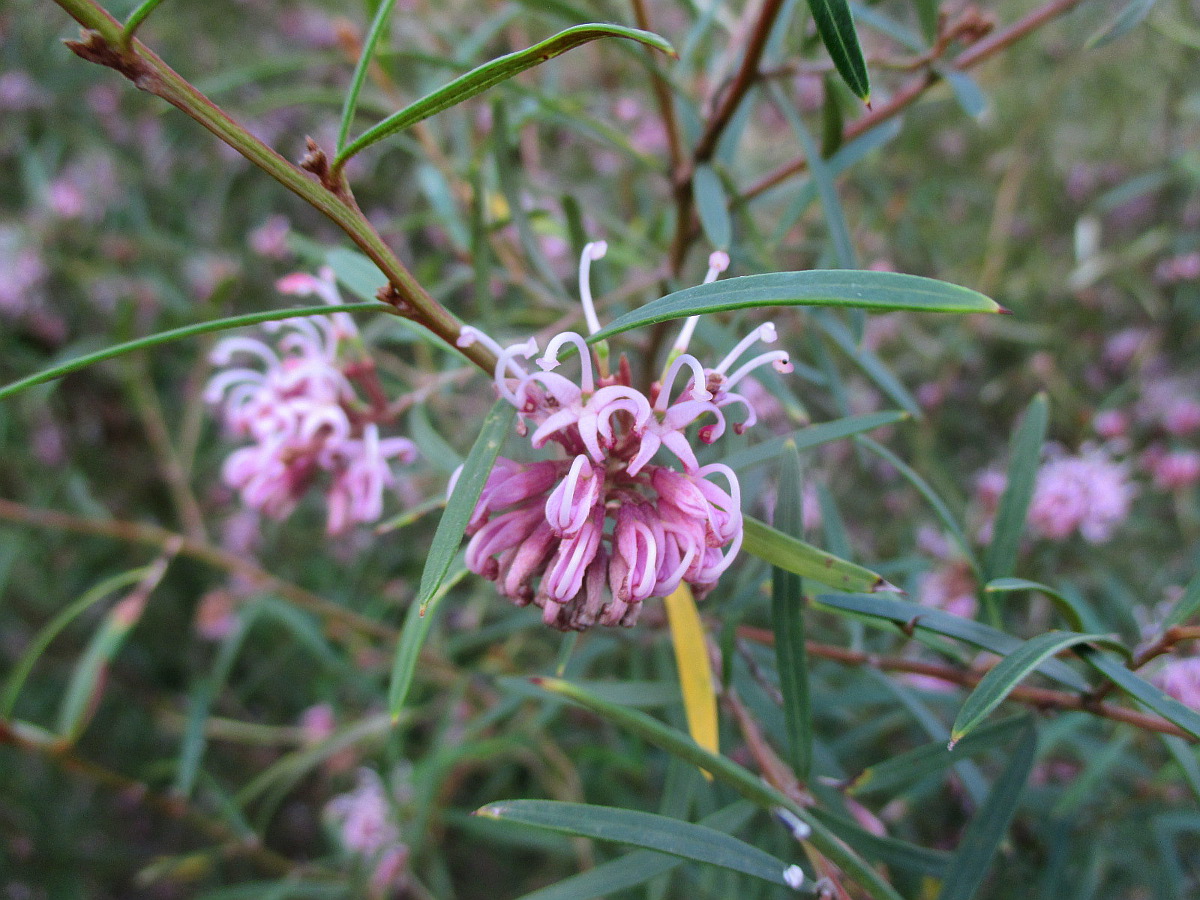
[1041, 698]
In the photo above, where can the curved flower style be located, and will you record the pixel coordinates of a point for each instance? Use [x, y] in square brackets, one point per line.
[297, 403]
[589, 537]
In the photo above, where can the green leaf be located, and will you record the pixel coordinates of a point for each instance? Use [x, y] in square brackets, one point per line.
[967, 92]
[787, 620]
[490, 74]
[641, 829]
[921, 619]
[805, 560]
[55, 627]
[927, 16]
[923, 487]
[1187, 605]
[896, 772]
[1143, 691]
[842, 288]
[417, 623]
[999, 682]
[835, 25]
[812, 436]
[1025, 454]
[474, 475]
[382, 14]
[973, 858]
[1065, 605]
[1124, 22]
[725, 770]
[176, 334]
[889, 851]
[713, 207]
[634, 868]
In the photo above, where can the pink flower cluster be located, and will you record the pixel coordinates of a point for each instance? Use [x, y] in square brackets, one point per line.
[367, 829]
[591, 536]
[1090, 493]
[301, 411]
[1181, 679]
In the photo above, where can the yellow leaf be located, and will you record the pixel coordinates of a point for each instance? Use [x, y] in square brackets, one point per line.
[695, 674]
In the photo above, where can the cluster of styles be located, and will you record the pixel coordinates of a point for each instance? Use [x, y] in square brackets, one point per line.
[589, 537]
[302, 410]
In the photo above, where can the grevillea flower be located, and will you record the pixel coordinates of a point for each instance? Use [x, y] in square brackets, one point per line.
[590, 536]
[298, 405]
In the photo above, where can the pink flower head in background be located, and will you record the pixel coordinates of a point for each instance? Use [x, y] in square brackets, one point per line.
[1181, 679]
[367, 829]
[297, 404]
[590, 536]
[1090, 493]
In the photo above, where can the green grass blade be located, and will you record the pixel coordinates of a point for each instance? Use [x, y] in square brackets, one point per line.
[382, 14]
[725, 770]
[649, 831]
[805, 560]
[1025, 454]
[889, 851]
[1143, 691]
[634, 868]
[490, 74]
[177, 334]
[839, 288]
[903, 614]
[981, 840]
[999, 682]
[835, 25]
[787, 620]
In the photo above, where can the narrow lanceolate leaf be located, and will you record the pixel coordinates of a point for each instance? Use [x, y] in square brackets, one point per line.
[835, 25]
[973, 858]
[1012, 670]
[1065, 605]
[177, 334]
[889, 851]
[840, 288]
[725, 770]
[39, 644]
[805, 560]
[635, 868]
[461, 505]
[1143, 691]
[713, 207]
[641, 829]
[897, 772]
[927, 620]
[1025, 452]
[1124, 22]
[87, 680]
[490, 74]
[691, 660]
[787, 620]
[382, 14]
[416, 628]
[812, 436]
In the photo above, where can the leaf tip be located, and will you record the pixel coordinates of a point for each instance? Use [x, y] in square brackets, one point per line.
[1004, 310]
[883, 586]
[492, 811]
[955, 737]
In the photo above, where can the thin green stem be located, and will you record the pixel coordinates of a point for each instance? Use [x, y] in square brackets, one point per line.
[360, 71]
[135, 20]
[329, 196]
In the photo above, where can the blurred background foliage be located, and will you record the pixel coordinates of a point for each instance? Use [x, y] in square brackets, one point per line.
[1062, 181]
